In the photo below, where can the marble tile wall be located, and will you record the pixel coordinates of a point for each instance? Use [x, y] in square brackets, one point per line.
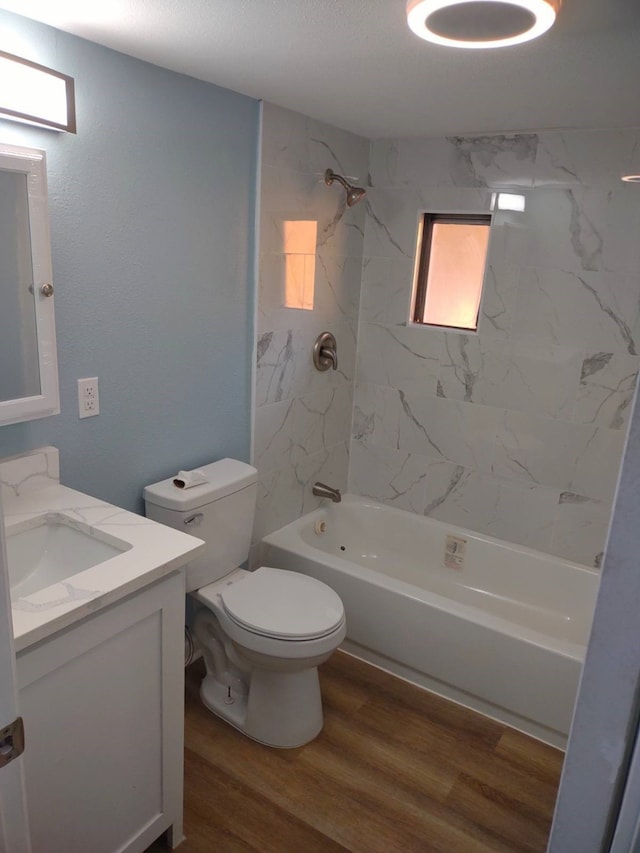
[302, 423]
[516, 431]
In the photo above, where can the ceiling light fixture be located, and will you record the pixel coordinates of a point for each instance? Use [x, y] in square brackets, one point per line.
[481, 23]
[631, 179]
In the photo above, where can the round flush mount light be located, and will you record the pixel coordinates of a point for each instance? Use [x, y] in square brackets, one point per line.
[481, 23]
[631, 179]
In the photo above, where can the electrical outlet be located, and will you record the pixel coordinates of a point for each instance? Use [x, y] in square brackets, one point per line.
[88, 398]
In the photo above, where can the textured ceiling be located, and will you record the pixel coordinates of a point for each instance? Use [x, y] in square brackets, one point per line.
[355, 63]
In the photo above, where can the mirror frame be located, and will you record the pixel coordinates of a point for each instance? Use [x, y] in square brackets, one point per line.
[32, 162]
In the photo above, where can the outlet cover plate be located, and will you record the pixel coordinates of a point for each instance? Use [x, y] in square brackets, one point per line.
[88, 398]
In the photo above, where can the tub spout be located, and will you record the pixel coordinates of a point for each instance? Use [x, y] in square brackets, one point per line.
[323, 491]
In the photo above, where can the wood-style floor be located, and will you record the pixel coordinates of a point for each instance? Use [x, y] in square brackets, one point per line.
[395, 769]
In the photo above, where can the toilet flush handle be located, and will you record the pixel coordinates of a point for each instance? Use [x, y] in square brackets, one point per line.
[193, 520]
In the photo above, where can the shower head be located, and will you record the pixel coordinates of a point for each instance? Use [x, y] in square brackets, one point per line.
[354, 194]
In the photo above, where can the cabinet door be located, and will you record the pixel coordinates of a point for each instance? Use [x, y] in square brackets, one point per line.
[103, 710]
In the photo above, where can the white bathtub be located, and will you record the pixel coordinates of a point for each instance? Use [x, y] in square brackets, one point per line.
[497, 627]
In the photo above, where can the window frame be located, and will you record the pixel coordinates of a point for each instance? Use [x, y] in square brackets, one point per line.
[427, 219]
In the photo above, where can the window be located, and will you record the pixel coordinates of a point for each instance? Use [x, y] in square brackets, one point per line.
[452, 254]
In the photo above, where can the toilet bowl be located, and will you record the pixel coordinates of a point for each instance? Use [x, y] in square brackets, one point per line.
[276, 628]
[262, 633]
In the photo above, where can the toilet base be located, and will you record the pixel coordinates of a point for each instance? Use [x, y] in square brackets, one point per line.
[281, 709]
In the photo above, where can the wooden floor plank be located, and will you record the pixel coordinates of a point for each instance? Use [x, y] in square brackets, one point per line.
[377, 756]
[451, 749]
[371, 789]
[213, 797]
[521, 828]
[395, 770]
[376, 682]
[341, 813]
[533, 756]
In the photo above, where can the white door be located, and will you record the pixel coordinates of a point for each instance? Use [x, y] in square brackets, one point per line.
[14, 829]
[626, 837]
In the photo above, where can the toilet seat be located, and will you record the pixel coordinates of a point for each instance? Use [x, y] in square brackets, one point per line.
[283, 605]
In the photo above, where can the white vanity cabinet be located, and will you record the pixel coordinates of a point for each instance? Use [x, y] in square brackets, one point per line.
[102, 703]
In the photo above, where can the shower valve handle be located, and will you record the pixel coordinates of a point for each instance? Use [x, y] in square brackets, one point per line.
[325, 352]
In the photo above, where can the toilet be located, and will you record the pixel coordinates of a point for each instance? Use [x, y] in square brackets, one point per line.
[262, 633]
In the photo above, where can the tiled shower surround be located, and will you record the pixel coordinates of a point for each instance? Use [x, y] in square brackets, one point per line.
[516, 431]
[302, 417]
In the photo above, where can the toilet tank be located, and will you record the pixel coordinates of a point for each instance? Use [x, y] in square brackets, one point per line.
[219, 511]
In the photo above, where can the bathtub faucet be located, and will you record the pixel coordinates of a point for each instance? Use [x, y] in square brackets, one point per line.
[323, 491]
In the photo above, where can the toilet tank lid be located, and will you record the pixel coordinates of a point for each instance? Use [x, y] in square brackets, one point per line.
[224, 477]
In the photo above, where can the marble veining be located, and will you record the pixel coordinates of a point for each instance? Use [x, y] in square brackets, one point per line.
[406, 480]
[385, 297]
[264, 342]
[590, 258]
[491, 430]
[406, 408]
[385, 229]
[303, 417]
[325, 146]
[329, 229]
[586, 158]
[622, 326]
[461, 366]
[338, 298]
[471, 156]
[595, 363]
[500, 291]
[30, 471]
[451, 486]
[557, 161]
[72, 594]
[275, 362]
[398, 356]
[363, 422]
[152, 550]
[399, 476]
[607, 385]
[570, 498]
[553, 367]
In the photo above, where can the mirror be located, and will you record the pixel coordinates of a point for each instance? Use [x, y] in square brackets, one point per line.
[28, 362]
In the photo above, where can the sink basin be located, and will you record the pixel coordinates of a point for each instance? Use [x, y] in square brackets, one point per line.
[55, 549]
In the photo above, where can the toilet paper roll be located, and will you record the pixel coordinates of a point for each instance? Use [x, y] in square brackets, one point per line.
[188, 479]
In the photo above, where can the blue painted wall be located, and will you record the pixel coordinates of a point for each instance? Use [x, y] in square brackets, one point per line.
[152, 212]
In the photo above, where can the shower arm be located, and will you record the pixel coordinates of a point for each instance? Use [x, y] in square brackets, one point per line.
[354, 194]
[330, 176]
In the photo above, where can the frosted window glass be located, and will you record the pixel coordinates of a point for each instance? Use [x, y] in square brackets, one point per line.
[300, 238]
[453, 257]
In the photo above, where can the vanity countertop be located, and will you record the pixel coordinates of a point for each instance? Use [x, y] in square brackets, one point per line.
[156, 550]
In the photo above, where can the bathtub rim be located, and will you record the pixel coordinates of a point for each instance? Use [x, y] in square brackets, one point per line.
[427, 519]
[281, 539]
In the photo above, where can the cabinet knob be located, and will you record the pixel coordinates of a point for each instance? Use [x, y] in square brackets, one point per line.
[46, 290]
